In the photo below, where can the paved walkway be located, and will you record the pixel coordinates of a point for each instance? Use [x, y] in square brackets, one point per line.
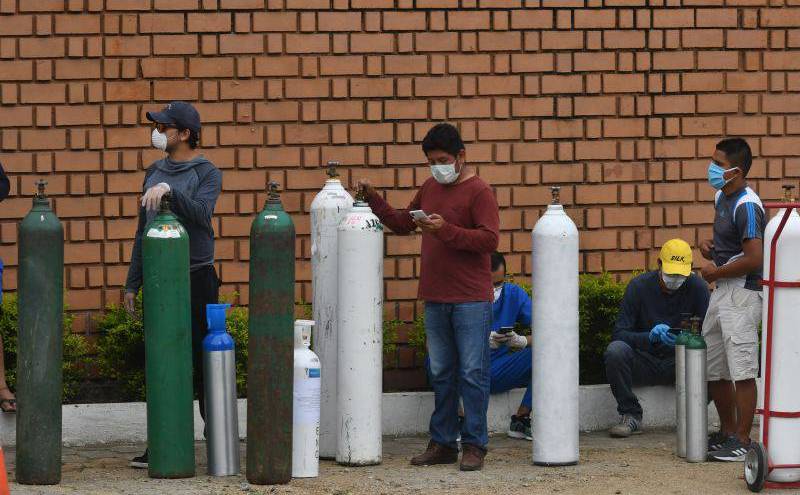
[640, 465]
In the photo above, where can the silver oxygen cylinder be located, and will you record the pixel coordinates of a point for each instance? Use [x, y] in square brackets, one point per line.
[696, 396]
[219, 378]
[680, 386]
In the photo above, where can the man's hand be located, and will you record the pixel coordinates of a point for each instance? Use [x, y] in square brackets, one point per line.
[706, 247]
[497, 339]
[365, 187]
[152, 197]
[516, 341]
[432, 224]
[709, 273]
[130, 302]
[660, 333]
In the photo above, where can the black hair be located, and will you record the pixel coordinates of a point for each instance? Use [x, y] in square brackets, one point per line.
[737, 151]
[444, 137]
[194, 137]
[497, 260]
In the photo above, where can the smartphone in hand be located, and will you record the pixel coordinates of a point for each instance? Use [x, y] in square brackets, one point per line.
[505, 330]
[418, 215]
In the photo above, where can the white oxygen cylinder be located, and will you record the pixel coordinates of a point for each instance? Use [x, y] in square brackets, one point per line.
[784, 433]
[307, 385]
[329, 207]
[360, 316]
[555, 338]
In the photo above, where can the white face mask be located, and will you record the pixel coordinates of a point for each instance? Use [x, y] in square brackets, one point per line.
[673, 282]
[497, 292]
[445, 174]
[159, 140]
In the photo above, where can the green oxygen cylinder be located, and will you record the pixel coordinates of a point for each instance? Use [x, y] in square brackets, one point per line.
[270, 365]
[41, 303]
[168, 346]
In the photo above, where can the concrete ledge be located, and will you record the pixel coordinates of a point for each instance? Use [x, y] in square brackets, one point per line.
[405, 413]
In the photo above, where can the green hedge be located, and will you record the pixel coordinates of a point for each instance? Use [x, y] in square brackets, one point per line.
[75, 348]
[599, 301]
[120, 349]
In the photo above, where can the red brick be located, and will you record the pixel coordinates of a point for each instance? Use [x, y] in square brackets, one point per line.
[74, 24]
[218, 22]
[468, 20]
[673, 60]
[16, 116]
[127, 4]
[532, 19]
[624, 217]
[552, 84]
[595, 18]
[499, 41]
[371, 43]
[241, 43]
[405, 64]
[161, 23]
[211, 67]
[674, 104]
[307, 43]
[77, 115]
[435, 86]
[339, 21]
[404, 21]
[594, 62]
[175, 90]
[673, 18]
[499, 85]
[780, 17]
[77, 69]
[153, 67]
[275, 21]
[128, 91]
[469, 64]
[16, 25]
[341, 110]
[277, 66]
[175, 44]
[43, 93]
[496, 130]
[128, 46]
[710, 60]
[51, 139]
[341, 65]
[746, 38]
[624, 39]
[307, 133]
[41, 47]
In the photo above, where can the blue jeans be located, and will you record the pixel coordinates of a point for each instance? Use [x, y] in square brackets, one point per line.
[458, 347]
[512, 370]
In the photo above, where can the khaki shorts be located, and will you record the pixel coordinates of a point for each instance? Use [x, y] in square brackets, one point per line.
[731, 332]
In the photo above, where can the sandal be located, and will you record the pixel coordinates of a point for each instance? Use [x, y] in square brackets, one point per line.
[8, 405]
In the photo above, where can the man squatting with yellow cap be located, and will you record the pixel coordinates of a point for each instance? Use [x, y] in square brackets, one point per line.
[642, 348]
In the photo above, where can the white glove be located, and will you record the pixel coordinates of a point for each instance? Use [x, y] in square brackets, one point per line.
[516, 342]
[497, 339]
[152, 197]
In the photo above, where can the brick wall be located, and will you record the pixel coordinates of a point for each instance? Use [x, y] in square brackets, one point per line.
[619, 101]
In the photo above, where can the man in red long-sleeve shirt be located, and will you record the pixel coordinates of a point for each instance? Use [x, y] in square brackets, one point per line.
[459, 234]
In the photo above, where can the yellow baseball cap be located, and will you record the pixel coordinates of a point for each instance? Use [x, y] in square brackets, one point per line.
[676, 257]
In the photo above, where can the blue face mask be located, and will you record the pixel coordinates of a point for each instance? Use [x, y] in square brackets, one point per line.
[716, 175]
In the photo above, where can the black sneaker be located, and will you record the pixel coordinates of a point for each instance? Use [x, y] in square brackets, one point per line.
[140, 462]
[520, 428]
[715, 440]
[732, 450]
[628, 425]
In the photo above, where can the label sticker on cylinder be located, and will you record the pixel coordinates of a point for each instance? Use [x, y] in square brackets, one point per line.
[164, 232]
[307, 397]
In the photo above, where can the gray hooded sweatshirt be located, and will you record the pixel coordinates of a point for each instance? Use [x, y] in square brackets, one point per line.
[194, 187]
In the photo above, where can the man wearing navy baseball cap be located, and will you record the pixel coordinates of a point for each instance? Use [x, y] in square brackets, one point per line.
[194, 185]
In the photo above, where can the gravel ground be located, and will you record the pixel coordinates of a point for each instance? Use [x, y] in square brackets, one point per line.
[640, 465]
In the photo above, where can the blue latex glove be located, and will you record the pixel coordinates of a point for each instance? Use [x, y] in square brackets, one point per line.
[660, 333]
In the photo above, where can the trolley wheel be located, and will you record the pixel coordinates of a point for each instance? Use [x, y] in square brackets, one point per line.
[755, 467]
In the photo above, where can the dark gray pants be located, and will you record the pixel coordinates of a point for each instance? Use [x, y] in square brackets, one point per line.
[626, 367]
